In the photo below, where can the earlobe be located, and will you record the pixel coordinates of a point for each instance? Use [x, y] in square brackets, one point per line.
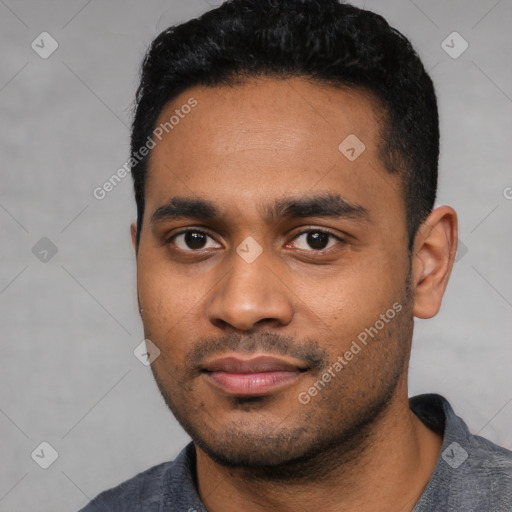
[434, 254]
[133, 233]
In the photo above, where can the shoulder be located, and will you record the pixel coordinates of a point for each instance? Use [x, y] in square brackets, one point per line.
[478, 473]
[140, 489]
[170, 484]
[472, 473]
[491, 461]
[477, 454]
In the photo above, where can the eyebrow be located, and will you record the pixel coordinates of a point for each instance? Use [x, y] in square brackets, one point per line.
[324, 205]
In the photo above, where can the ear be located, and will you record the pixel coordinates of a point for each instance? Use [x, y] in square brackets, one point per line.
[434, 251]
[133, 233]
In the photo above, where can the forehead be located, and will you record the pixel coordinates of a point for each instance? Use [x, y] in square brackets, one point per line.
[248, 142]
[273, 112]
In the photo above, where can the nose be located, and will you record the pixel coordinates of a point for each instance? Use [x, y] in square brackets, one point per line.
[250, 294]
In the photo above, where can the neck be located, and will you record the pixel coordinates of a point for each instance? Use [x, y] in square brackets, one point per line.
[385, 467]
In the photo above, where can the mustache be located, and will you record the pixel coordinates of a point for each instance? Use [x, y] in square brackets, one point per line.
[308, 351]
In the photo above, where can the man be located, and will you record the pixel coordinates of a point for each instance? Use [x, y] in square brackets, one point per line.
[284, 156]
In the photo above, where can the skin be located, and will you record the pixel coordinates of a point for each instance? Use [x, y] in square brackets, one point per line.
[356, 445]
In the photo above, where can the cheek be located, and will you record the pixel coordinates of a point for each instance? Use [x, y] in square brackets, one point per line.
[170, 307]
[160, 292]
[354, 295]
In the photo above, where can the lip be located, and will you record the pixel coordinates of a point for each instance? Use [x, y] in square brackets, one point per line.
[256, 376]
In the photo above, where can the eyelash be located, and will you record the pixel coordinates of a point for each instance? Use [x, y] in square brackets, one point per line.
[310, 230]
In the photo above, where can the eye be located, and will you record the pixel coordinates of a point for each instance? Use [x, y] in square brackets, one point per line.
[193, 240]
[315, 239]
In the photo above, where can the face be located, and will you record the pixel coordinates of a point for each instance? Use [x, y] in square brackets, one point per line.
[273, 270]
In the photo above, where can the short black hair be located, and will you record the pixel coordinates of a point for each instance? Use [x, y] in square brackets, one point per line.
[323, 41]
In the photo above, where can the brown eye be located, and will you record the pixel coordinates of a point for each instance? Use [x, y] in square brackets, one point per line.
[316, 240]
[193, 240]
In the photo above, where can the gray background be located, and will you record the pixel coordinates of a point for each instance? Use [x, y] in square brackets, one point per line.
[69, 325]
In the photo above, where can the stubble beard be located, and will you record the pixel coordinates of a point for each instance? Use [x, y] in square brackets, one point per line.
[331, 431]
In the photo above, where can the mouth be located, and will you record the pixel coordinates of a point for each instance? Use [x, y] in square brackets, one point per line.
[255, 376]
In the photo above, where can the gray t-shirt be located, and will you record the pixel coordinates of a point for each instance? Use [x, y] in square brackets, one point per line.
[471, 475]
